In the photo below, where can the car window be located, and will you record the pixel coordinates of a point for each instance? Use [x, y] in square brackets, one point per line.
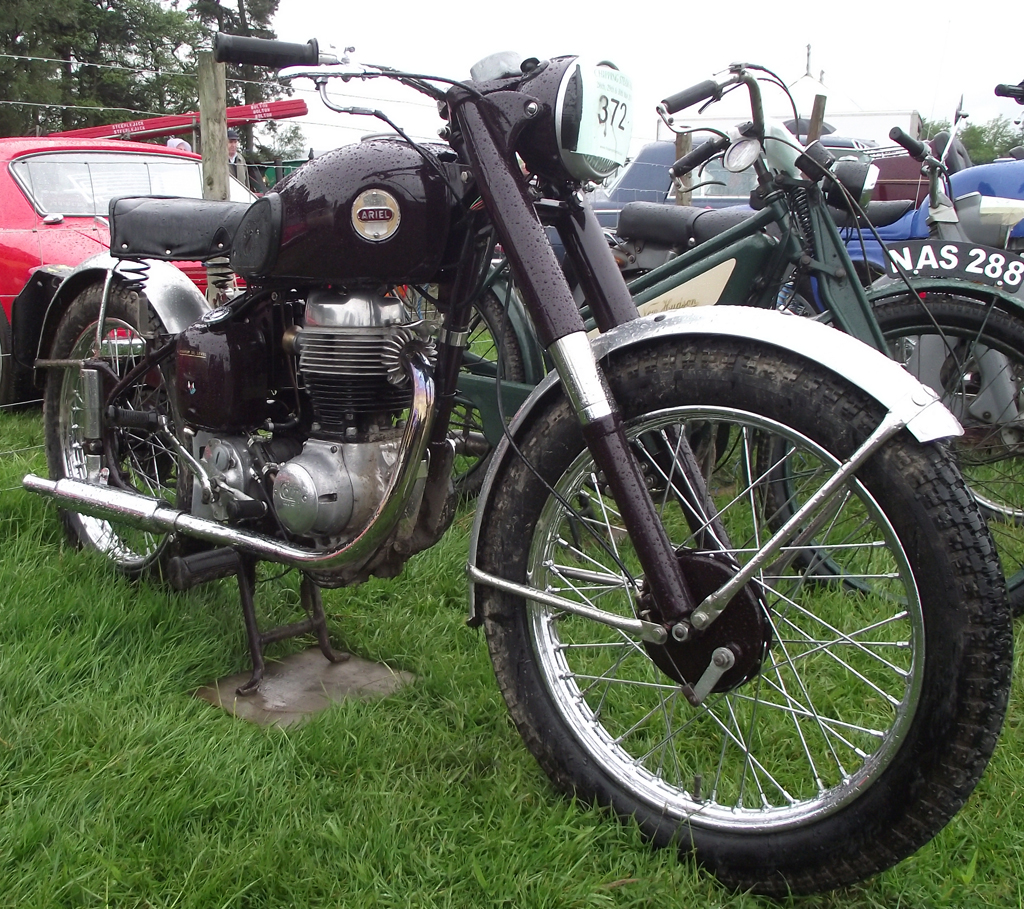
[83, 183]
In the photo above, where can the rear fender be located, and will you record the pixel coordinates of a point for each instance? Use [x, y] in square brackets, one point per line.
[884, 289]
[174, 298]
[874, 373]
[954, 267]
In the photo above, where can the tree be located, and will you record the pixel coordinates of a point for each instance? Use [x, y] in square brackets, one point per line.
[117, 59]
[246, 84]
[983, 143]
[72, 63]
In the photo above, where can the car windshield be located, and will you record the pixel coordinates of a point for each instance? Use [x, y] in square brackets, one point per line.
[83, 183]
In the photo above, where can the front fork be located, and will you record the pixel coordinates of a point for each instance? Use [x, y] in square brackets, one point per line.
[489, 130]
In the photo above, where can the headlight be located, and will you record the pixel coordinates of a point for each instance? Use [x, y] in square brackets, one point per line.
[858, 177]
[593, 119]
[741, 154]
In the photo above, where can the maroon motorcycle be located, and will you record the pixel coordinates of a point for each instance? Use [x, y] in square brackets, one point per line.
[732, 583]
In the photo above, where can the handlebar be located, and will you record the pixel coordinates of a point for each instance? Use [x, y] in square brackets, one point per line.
[264, 51]
[914, 148]
[702, 91]
[1011, 91]
[697, 156]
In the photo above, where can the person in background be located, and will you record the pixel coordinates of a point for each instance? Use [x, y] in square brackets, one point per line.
[237, 167]
[179, 144]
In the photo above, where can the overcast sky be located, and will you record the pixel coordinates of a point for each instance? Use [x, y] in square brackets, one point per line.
[880, 54]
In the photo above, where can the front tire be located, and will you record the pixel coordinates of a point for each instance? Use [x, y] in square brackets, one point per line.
[874, 713]
[972, 354]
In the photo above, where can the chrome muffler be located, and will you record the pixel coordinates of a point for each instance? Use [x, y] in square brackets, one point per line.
[156, 515]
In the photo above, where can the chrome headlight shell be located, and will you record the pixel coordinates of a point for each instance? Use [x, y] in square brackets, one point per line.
[593, 119]
[743, 152]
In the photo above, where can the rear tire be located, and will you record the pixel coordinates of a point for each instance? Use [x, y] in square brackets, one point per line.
[872, 716]
[144, 459]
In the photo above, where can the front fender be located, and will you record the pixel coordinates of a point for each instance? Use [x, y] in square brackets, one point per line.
[174, 298]
[872, 372]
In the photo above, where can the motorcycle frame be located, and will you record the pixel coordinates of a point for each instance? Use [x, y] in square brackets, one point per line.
[763, 263]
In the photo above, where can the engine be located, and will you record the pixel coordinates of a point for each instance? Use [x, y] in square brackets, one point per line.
[321, 473]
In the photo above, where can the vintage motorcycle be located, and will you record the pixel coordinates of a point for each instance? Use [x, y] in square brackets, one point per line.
[647, 550]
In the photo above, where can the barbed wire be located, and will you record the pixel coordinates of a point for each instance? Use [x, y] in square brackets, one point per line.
[129, 110]
[268, 82]
[132, 69]
[117, 66]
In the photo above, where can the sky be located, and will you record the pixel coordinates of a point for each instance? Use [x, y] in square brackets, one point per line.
[877, 56]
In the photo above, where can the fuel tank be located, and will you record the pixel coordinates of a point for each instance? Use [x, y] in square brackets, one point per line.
[377, 211]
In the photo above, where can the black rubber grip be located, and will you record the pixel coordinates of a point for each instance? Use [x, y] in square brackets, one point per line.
[132, 419]
[915, 149]
[186, 572]
[1011, 91]
[697, 156]
[692, 95]
[264, 51]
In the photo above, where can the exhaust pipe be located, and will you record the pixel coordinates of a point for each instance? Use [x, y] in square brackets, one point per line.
[147, 513]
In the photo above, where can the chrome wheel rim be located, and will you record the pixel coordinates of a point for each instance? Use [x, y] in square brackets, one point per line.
[838, 687]
[146, 462]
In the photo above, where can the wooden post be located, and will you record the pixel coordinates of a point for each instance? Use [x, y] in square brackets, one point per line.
[684, 144]
[817, 119]
[213, 125]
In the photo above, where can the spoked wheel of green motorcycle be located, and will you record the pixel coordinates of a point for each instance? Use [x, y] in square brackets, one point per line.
[972, 354]
[144, 459]
[869, 718]
[491, 342]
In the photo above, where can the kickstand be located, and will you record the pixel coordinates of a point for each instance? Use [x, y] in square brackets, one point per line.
[316, 621]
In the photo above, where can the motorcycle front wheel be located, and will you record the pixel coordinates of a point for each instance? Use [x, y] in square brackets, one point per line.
[875, 707]
[138, 458]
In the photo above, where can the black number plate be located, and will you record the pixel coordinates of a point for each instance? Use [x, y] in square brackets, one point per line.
[950, 259]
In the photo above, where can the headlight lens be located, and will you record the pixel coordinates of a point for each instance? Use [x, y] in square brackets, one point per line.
[741, 154]
[593, 119]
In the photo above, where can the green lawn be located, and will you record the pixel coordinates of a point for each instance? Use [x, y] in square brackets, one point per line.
[118, 788]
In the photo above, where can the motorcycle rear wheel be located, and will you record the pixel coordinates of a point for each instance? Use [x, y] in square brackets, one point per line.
[144, 459]
[873, 715]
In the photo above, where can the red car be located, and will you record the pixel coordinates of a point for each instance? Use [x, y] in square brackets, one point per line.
[54, 195]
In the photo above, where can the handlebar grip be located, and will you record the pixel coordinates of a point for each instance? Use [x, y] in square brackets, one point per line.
[264, 51]
[915, 149]
[1011, 91]
[692, 95]
[697, 156]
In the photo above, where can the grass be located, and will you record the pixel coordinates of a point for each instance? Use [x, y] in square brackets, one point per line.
[119, 788]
